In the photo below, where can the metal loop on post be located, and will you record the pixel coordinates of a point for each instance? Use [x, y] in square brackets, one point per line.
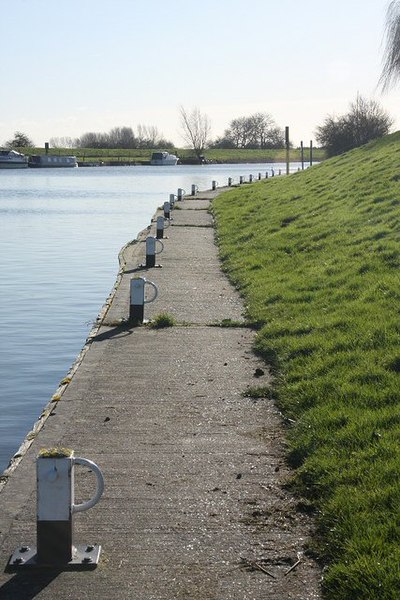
[162, 248]
[76, 460]
[153, 285]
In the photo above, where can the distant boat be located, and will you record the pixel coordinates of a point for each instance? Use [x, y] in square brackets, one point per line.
[45, 161]
[163, 158]
[10, 159]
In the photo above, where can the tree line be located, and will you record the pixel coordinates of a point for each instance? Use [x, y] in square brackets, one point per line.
[124, 138]
[364, 121]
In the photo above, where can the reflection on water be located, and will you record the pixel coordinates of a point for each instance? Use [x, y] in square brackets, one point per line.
[60, 234]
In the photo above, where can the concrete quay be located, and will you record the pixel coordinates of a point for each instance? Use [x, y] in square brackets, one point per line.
[194, 506]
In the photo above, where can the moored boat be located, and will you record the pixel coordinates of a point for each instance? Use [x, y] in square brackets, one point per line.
[52, 161]
[11, 159]
[163, 158]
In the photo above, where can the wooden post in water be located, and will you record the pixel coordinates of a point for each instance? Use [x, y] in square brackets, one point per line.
[287, 149]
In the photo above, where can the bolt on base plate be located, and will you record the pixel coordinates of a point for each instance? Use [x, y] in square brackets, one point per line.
[84, 556]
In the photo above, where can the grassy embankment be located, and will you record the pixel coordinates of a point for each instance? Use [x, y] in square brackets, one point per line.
[142, 156]
[317, 258]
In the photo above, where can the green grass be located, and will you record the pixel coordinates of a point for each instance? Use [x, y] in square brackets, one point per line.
[317, 259]
[162, 320]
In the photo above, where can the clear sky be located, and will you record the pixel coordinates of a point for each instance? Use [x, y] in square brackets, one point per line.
[72, 66]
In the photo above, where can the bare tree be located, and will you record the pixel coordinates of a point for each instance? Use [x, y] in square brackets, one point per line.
[365, 121]
[368, 120]
[122, 137]
[256, 131]
[196, 129]
[92, 139]
[63, 142]
[239, 132]
[391, 64]
[147, 136]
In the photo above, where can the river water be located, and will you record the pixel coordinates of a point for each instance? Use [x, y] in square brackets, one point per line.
[60, 234]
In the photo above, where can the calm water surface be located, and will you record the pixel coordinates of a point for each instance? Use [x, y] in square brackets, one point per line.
[60, 234]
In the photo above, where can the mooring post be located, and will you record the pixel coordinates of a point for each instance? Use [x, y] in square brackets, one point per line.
[302, 155]
[229, 181]
[181, 193]
[167, 210]
[55, 508]
[287, 143]
[138, 299]
[162, 223]
[194, 189]
[214, 185]
[251, 178]
[259, 177]
[151, 251]
[241, 179]
[311, 153]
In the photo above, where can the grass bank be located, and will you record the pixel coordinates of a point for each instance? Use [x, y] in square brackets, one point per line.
[317, 257]
[139, 156]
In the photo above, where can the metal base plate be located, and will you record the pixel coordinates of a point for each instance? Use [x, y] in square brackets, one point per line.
[84, 556]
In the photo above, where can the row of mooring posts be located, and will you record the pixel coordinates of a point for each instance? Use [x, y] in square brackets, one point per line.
[139, 286]
[242, 178]
[154, 246]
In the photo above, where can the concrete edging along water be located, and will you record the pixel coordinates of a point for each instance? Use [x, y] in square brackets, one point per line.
[193, 506]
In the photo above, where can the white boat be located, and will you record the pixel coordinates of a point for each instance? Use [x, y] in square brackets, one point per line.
[40, 161]
[163, 158]
[10, 159]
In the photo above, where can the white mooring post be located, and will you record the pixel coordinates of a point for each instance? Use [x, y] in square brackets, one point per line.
[162, 223]
[55, 508]
[151, 250]
[138, 299]
[181, 193]
[167, 210]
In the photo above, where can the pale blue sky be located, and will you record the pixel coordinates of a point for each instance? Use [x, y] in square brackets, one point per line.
[89, 65]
